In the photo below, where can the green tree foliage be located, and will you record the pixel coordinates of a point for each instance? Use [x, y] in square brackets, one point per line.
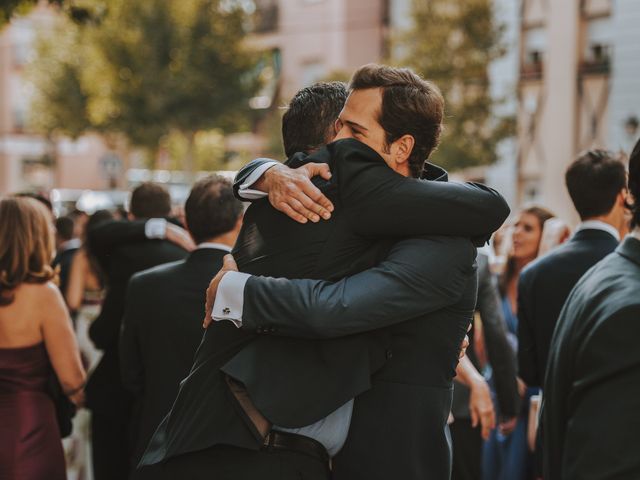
[60, 101]
[452, 43]
[151, 68]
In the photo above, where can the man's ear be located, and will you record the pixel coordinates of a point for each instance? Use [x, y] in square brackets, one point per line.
[403, 148]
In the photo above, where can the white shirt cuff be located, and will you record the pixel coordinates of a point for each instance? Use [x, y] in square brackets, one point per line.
[248, 193]
[155, 228]
[230, 298]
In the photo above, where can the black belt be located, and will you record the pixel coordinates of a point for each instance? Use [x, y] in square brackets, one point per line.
[296, 443]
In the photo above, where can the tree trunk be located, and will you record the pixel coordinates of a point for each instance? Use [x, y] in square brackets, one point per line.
[189, 166]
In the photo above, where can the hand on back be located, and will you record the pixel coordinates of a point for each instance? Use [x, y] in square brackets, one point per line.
[292, 192]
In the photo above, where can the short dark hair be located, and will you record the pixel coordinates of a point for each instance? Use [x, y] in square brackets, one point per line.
[150, 200]
[310, 117]
[410, 106]
[211, 208]
[64, 227]
[634, 183]
[594, 180]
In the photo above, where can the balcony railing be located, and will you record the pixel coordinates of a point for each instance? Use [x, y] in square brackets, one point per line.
[265, 19]
[532, 70]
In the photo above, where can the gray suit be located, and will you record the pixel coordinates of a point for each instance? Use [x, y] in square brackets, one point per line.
[467, 441]
[501, 355]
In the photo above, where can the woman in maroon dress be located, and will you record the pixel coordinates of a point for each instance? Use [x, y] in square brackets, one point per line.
[36, 338]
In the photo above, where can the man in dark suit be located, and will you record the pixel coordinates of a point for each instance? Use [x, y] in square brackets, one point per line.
[66, 247]
[469, 410]
[597, 184]
[162, 324]
[109, 402]
[590, 414]
[297, 386]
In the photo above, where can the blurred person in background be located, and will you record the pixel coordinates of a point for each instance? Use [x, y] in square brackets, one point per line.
[590, 413]
[84, 295]
[42, 199]
[80, 220]
[597, 185]
[36, 342]
[505, 455]
[473, 410]
[162, 325]
[67, 244]
[108, 400]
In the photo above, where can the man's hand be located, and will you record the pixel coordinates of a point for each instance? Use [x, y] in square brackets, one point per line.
[481, 407]
[228, 265]
[463, 347]
[180, 237]
[508, 425]
[291, 191]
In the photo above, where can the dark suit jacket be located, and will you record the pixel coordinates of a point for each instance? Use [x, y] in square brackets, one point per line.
[591, 414]
[162, 328]
[64, 259]
[120, 256]
[543, 288]
[371, 201]
[501, 355]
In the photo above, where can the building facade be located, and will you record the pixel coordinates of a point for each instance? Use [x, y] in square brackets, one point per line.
[579, 60]
[30, 161]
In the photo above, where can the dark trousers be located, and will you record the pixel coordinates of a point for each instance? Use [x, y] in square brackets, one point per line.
[233, 463]
[467, 450]
[110, 447]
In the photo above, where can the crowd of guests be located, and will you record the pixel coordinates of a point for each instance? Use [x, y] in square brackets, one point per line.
[63, 319]
[536, 261]
[102, 315]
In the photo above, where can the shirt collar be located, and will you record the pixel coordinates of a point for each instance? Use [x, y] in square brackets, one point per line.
[69, 244]
[218, 246]
[636, 233]
[599, 225]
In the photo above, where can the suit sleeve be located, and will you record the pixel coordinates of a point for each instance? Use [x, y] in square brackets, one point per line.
[421, 275]
[383, 203]
[527, 359]
[104, 238]
[131, 366]
[501, 355]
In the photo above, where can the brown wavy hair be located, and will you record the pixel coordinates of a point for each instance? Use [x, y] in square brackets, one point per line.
[26, 245]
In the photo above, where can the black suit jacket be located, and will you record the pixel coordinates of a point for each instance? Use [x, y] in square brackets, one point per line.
[371, 201]
[122, 250]
[162, 328]
[591, 411]
[543, 288]
[64, 259]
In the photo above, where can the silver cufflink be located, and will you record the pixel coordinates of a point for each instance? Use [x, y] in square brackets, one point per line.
[226, 310]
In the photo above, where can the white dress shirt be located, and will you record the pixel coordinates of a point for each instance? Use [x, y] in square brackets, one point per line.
[217, 246]
[245, 191]
[599, 225]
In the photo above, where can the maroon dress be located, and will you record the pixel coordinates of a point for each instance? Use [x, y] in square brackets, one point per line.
[30, 446]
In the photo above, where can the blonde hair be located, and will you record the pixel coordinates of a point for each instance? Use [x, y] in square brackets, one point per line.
[26, 245]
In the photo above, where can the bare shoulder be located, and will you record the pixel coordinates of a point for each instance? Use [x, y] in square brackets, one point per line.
[46, 295]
